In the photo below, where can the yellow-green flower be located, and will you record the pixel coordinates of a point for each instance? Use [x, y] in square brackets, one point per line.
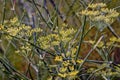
[64, 24]
[79, 61]
[17, 51]
[101, 44]
[62, 75]
[58, 58]
[73, 51]
[66, 63]
[98, 12]
[96, 5]
[73, 73]
[63, 69]
[55, 43]
[118, 40]
[71, 68]
[113, 39]
[68, 53]
[14, 20]
[92, 42]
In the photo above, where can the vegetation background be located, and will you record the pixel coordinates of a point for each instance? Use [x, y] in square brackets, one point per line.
[23, 58]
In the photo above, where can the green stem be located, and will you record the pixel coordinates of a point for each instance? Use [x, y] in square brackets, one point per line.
[41, 14]
[87, 32]
[96, 61]
[4, 10]
[117, 7]
[11, 69]
[70, 8]
[94, 73]
[112, 31]
[90, 52]
[81, 38]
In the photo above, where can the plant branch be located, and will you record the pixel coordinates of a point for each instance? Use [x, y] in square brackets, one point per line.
[4, 11]
[90, 52]
[41, 14]
[81, 38]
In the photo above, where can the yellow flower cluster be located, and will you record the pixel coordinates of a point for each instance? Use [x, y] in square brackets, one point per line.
[69, 74]
[63, 69]
[99, 12]
[103, 69]
[47, 42]
[97, 5]
[114, 39]
[67, 68]
[62, 75]
[66, 63]
[26, 48]
[101, 44]
[73, 73]
[12, 31]
[54, 39]
[14, 20]
[79, 61]
[58, 58]
[90, 13]
[71, 52]
[108, 43]
[30, 32]
[14, 28]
